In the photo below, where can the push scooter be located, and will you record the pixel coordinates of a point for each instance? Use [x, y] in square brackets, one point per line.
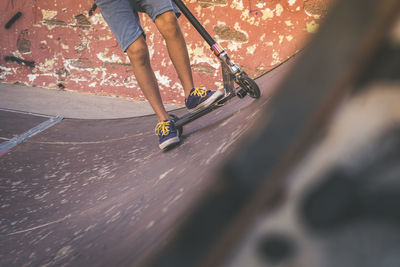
[231, 74]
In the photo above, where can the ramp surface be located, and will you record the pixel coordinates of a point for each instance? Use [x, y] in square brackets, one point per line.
[100, 192]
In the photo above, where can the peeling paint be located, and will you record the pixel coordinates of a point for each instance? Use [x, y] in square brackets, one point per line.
[5, 72]
[278, 10]
[237, 4]
[267, 14]
[312, 27]
[251, 49]
[32, 77]
[48, 14]
[288, 23]
[163, 80]
[77, 50]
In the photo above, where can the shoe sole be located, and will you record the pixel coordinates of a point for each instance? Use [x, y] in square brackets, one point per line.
[169, 142]
[208, 102]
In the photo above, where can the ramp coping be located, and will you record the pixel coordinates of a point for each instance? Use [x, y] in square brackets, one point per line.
[8, 145]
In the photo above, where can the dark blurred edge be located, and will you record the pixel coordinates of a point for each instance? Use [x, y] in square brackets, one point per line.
[253, 176]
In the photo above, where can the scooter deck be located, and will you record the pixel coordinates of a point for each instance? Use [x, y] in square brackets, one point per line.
[188, 117]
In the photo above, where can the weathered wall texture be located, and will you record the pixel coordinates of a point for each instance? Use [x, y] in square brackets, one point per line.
[66, 45]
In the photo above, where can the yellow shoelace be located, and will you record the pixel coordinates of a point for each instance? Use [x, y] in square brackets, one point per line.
[163, 128]
[199, 91]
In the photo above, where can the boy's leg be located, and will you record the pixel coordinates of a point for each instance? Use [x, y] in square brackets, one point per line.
[195, 98]
[138, 54]
[169, 28]
[124, 22]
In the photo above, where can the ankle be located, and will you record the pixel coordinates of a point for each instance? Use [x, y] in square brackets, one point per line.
[164, 117]
[187, 93]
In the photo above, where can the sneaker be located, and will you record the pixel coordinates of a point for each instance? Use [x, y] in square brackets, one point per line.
[167, 133]
[200, 98]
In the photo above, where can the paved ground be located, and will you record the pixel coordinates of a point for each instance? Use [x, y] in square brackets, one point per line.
[70, 104]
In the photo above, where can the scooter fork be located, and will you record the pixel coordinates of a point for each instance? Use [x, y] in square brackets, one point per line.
[230, 71]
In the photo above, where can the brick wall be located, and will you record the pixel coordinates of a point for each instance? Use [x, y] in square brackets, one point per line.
[66, 45]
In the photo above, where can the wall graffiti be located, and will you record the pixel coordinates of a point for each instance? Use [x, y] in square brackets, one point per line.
[12, 20]
[253, 8]
[20, 61]
[92, 9]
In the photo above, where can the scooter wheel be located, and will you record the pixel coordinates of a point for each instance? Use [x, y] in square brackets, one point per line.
[249, 85]
[175, 119]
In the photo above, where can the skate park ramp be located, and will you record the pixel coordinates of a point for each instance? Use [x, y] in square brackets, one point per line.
[100, 192]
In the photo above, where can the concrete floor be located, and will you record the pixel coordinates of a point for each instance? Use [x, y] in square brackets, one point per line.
[70, 104]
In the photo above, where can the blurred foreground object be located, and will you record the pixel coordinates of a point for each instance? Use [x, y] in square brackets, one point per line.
[315, 184]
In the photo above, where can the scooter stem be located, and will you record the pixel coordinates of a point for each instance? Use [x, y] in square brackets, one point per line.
[192, 19]
[229, 69]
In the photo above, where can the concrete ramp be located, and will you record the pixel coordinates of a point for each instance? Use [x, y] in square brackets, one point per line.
[100, 192]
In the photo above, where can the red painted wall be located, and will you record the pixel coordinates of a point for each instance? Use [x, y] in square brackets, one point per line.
[73, 49]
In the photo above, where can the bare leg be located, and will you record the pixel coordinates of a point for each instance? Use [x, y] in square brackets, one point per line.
[168, 26]
[138, 54]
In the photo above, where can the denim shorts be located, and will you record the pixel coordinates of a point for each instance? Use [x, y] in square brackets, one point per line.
[123, 19]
